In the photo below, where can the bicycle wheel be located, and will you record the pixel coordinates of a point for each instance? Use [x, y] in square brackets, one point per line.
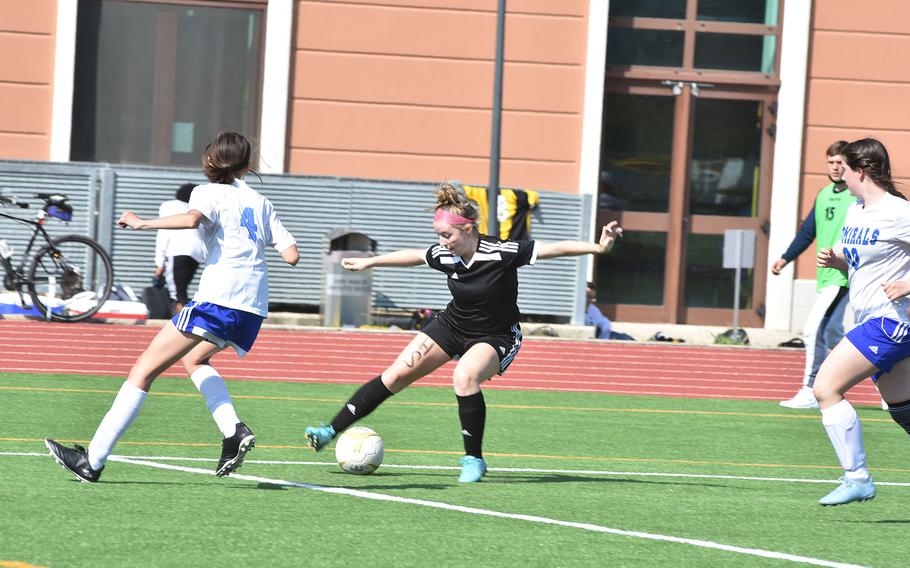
[72, 277]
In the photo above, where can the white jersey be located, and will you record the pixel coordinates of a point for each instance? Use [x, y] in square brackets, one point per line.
[177, 242]
[875, 242]
[238, 225]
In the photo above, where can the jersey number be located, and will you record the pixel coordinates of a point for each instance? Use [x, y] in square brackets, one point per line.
[249, 221]
[852, 257]
[829, 213]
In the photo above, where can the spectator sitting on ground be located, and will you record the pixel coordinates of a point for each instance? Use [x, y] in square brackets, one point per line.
[595, 317]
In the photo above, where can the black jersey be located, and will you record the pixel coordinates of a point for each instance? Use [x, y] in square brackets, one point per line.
[485, 290]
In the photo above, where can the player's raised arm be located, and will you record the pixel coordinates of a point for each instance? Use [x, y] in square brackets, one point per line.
[608, 235]
[189, 220]
[404, 257]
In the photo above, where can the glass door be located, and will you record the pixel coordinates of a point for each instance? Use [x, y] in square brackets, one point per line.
[635, 188]
[680, 164]
[686, 154]
[728, 187]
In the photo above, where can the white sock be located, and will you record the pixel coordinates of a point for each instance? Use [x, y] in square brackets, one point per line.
[846, 435]
[215, 392]
[125, 409]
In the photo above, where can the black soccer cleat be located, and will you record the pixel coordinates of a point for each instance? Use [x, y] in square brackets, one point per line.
[74, 460]
[234, 449]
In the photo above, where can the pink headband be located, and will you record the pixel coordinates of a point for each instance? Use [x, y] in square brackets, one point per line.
[451, 218]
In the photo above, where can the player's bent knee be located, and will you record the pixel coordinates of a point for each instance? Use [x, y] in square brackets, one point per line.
[464, 383]
[818, 392]
[191, 364]
[900, 413]
[396, 379]
[824, 393]
[140, 379]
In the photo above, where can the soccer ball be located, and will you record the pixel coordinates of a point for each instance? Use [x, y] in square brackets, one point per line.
[359, 450]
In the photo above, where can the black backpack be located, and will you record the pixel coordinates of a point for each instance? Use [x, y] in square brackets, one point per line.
[157, 301]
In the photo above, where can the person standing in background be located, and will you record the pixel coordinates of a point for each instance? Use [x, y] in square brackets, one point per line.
[178, 253]
[824, 326]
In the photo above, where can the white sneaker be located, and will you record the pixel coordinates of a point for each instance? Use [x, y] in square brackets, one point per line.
[802, 399]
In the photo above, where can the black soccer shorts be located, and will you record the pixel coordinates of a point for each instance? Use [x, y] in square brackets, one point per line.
[456, 342]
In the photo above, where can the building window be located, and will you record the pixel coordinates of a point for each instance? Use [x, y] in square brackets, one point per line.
[735, 41]
[154, 82]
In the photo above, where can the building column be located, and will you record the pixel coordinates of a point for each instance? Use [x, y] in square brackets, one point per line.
[62, 88]
[279, 25]
[788, 157]
[591, 133]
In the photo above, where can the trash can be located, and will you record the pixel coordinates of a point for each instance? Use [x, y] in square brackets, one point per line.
[346, 295]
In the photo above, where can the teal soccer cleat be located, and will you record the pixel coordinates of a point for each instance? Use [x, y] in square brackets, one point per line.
[472, 469]
[318, 437]
[849, 491]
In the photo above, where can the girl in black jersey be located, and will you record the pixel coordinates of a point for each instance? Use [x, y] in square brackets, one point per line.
[479, 327]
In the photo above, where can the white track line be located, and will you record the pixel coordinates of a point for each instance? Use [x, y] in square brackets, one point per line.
[485, 512]
[497, 469]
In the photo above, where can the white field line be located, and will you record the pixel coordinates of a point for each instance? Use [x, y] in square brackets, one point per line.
[490, 513]
[139, 460]
[495, 469]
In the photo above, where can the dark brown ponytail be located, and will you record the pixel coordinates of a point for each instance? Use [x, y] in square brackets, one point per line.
[870, 156]
[226, 158]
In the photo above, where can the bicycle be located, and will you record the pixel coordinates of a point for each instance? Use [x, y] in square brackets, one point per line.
[69, 278]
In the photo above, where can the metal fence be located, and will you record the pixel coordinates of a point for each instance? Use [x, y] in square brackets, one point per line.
[396, 214]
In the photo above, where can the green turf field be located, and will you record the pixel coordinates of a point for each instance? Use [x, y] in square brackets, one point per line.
[601, 480]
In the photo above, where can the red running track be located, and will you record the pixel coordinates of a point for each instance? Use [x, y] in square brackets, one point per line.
[353, 357]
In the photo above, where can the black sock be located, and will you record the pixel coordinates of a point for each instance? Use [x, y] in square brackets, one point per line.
[364, 401]
[472, 410]
[900, 413]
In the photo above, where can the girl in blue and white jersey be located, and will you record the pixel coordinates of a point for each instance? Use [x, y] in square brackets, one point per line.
[227, 310]
[875, 250]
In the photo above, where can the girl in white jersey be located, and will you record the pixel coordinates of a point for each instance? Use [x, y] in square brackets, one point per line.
[227, 310]
[875, 250]
[479, 327]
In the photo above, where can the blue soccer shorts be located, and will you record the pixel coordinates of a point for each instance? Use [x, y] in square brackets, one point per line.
[883, 341]
[225, 327]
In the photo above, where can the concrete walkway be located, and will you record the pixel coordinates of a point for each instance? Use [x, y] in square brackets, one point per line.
[690, 334]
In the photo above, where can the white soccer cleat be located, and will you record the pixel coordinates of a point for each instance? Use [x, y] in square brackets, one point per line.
[802, 399]
[849, 491]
